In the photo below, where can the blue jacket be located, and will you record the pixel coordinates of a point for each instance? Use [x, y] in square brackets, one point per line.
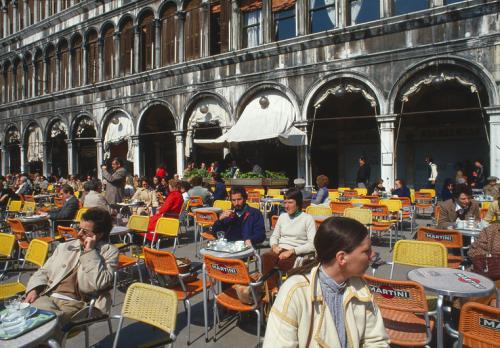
[220, 191]
[249, 226]
[402, 192]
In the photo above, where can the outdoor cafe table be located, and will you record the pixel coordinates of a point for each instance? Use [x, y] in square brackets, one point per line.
[242, 255]
[267, 204]
[453, 283]
[208, 209]
[472, 233]
[34, 337]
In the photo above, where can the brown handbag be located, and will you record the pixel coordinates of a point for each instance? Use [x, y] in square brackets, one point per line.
[488, 264]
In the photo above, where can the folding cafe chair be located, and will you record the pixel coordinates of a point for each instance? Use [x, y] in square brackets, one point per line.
[450, 239]
[479, 326]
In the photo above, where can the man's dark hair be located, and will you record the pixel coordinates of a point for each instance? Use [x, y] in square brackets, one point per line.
[239, 190]
[461, 188]
[119, 160]
[87, 186]
[362, 158]
[185, 185]
[101, 219]
[296, 195]
[196, 180]
[67, 189]
[401, 181]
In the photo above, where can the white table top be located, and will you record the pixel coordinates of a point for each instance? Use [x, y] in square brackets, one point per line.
[212, 209]
[270, 199]
[452, 282]
[239, 255]
[117, 230]
[467, 232]
[33, 337]
[130, 204]
[33, 219]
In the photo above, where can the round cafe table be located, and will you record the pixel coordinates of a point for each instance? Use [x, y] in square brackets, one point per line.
[242, 255]
[452, 283]
[472, 233]
[34, 337]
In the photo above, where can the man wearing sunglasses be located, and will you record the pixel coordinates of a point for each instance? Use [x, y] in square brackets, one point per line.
[77, 270]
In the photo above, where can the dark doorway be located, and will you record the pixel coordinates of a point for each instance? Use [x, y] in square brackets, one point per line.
[85, 148]
[58, 150]
[14, 158]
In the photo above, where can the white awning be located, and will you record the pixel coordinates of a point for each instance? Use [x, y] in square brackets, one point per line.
[35, 145]
[260, 122]
[119, 129]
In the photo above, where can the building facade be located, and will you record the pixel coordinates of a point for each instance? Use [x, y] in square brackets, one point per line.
[158, 81]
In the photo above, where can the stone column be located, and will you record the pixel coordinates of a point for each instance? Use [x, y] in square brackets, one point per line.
[25, 81]
[33, 79]
[494, 115]
[205, 32]
[15, 17]
[36, 15]
[26, 14]
[116, 41]
[4, 159]
[342, 14]
[387, 164]
[70, 67]
[267, 20]
[100, 59]
[45, 81]
[436, 3]
[85, 47]
[137, 155]
[47, 9]
[303, 162]
[137, 40]
[58, 6]
[71, 154]
[157, 27]
[57, 86]
[47, 163]
[301, 8]
[385, 8]
[180, 18]
[23, 158]
[71, 2]
[98, 144]
[235, 31]
[179, 150]
[5, 20]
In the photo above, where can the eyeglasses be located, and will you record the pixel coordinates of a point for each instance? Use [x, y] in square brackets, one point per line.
[86, 232]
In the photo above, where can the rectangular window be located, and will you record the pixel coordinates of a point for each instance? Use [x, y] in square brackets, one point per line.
[363, 11]
[448, 2]
[284, 24]
[251, 31]
[322, 15]
[408, 6]
[220, 13]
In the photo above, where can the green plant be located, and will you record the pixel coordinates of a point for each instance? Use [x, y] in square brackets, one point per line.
[274, 175]
[198, 172]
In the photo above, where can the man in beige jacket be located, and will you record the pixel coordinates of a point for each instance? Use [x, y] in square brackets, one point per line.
[329, 305]
[77, 270]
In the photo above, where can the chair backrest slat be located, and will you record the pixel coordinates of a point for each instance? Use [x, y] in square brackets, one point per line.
[138, 223]
[229, 271]
[37, 252]
[319, 210]
[362, 215]
[6, 244]
[449, 238]
[161, 262]
[195, 201]
[420, 254]
[205, 217]
[479, 325]
[224, 205]
[168, 227]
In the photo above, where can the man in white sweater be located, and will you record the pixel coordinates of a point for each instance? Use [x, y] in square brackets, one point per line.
[292, 238]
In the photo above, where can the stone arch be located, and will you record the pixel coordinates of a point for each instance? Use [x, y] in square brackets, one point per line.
[105, 26]
[107, 116]
[11, 127]
[61, 42]
[89, 31]
[144, 12]
[31, 122]
[475, 69]
[164, 4]
[123, 19]
[46, 48]
[74, 36]
[50, 124]
[184, 120]
[152, 103]
[76, 121]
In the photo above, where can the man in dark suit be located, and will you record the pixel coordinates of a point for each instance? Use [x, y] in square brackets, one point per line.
[70, 207]
[461, 207]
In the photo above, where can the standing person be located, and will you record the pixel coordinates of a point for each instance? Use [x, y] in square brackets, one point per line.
[327, 303]
[432, 172]
[364, 171]
[220, 192]
[115, 185]
[478, 175]
[292, 238]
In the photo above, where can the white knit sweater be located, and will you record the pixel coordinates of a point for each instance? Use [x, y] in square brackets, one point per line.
[297, 233]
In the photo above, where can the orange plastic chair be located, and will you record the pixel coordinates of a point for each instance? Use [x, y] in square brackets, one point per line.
[67, 232]
[478, 327]
[381, 220]
[233, 272]
[125, 261]
[339, 207]
[349, 194]
[403, 306]
[164, 263]
[204, 220]
[373, 199]
[274, 220]
[23, 237]
[483, 212]
[423, 201]
[449, 238]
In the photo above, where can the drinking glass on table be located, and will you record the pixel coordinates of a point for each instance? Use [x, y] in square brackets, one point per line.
[220, 235]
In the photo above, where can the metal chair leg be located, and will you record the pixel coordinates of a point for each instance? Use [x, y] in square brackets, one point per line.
[215, 320]
[258, 325]
[115, 281]
[187, 304]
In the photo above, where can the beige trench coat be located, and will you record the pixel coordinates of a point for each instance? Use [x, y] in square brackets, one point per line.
[95, 271]
[290, 318]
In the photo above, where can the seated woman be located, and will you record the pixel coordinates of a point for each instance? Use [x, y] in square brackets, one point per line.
[292, 237]
[377, 188]
[322, 194]
[146, 195]
[170, 208]
[326, 302]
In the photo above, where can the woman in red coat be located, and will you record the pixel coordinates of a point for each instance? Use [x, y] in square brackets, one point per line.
[170, 208]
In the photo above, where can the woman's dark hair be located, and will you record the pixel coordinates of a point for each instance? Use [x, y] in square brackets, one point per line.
[334, 234]
[296, 195]
[144, 179]
[239, 190]
[102, 221]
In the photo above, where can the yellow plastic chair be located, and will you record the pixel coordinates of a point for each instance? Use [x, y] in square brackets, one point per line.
[275, 193]
[319, 210]
[36, 254]
[395, 207]
[28, 206]
[361, 201]
[14, 207]
[419, 254]
[485, 205]
[152, 305]
[79, 214]
[224, 205]
[334, 196]
[254, 205]
[361, 191]
[261, 191]
[7, 242]
[412, 195]
[362, 215]
[50, 188]
[431, 191]
[77, 194]
[342, 189]
[166, 228]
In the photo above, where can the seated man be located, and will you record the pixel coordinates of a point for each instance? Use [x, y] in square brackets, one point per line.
[243, 222]
[198, 190]
[460, 207]
[77, 270]
[400, 189]
[69, 209]
[93, 197]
